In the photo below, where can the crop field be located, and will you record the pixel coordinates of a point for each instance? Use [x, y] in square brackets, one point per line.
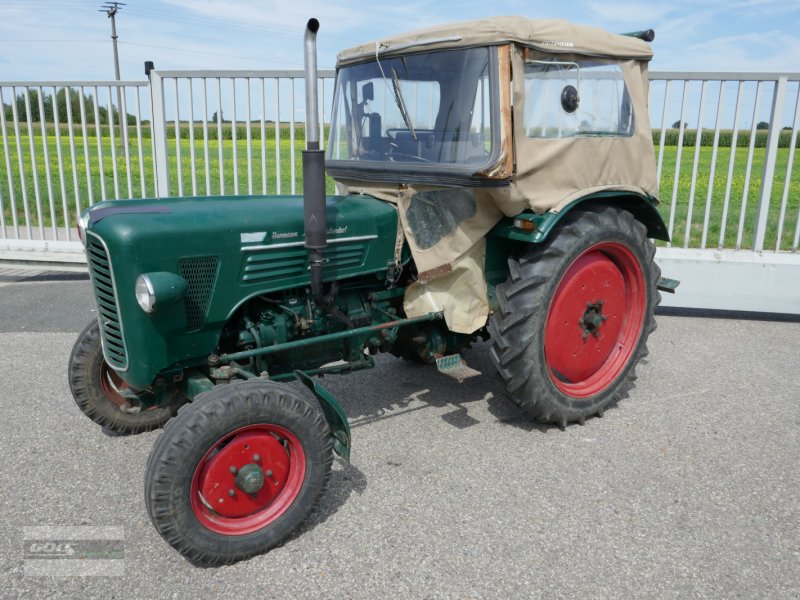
[742, 197]
[82, 186]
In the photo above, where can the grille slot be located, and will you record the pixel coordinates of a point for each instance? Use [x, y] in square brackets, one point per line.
[105, 295]
[344, 256]
[274, 265]
[200, 273]
[286, 263]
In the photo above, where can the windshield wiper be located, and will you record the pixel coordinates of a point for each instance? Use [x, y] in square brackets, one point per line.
[401, 103]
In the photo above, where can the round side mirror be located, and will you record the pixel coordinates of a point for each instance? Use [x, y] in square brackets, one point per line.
[569, 99]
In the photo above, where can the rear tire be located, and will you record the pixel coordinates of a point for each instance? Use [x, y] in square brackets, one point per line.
[196, 481]
[575, 314]
[95, 387]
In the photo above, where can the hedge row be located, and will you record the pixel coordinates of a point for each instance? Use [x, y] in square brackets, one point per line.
[227, 131]
[241, 131]
[725, 138]
[670, 139]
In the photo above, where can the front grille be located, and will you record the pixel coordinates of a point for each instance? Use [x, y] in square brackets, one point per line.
[105, 294]
[200, 273]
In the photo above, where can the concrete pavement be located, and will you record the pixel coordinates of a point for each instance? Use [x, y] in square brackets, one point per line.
[689, 488]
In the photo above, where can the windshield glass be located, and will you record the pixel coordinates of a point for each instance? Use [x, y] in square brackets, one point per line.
[415, 111]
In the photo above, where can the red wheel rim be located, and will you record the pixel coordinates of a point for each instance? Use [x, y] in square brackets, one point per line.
[111, 384]
[595, 320]
[220, 497]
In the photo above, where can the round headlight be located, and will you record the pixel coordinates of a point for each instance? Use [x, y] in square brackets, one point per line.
[145, 295]
[83, 222]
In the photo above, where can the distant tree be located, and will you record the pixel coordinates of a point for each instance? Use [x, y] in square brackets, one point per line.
[762, 125]
[74, 105]
[34, 116]
[786, 129]
[222, 117]
[677, 125]
[60, 108]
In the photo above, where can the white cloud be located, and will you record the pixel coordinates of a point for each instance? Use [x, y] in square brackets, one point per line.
[763, 51]
[639, 15]
[267, 34]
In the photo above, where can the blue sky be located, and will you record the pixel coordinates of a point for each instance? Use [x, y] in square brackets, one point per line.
[69, 39]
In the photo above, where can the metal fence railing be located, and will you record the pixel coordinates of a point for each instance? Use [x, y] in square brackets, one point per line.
[64, 149]
[725, 145]
[249, 136]
[726, 168]
[736, 135]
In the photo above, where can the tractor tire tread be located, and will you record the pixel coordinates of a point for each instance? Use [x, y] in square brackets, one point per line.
[523, 304]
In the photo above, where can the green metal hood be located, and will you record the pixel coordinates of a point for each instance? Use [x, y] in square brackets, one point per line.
[227, 249]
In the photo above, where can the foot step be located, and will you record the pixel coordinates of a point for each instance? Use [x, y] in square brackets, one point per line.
[455, 367]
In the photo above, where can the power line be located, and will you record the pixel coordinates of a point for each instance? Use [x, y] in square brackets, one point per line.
[216, 24]
[260, 60]
[43, 6]
[36, 41]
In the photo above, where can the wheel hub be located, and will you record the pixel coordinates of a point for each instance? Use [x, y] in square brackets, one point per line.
[244, 475]
[592, 319]
[250, 478]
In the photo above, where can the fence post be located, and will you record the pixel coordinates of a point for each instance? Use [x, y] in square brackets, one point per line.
[762, 212]
[159, 132]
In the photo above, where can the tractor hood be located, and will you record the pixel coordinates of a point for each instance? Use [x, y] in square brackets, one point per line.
[205, 257]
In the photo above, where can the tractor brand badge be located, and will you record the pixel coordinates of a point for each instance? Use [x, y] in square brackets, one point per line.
[555, 44]
[277, 235]
[337, 230]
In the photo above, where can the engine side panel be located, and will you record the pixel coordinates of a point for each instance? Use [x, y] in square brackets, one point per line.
[229, 250]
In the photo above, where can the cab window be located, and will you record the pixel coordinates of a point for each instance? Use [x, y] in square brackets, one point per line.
[569, 99]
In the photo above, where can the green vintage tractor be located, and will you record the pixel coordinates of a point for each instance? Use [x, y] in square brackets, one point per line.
[495, 180]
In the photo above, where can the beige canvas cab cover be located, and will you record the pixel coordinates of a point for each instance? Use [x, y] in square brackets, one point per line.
[547, 35]
[545, 168]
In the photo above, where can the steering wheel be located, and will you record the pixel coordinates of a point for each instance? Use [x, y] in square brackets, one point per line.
[392, 154]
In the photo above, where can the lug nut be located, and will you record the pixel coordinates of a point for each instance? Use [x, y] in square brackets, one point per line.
[231, 492]
[268, 473]
[233, 470]
[256, 457]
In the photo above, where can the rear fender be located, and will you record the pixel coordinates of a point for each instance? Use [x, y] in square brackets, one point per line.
[643, 208]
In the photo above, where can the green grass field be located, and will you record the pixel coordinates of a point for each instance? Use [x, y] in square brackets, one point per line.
[66, 207]
[736, 202]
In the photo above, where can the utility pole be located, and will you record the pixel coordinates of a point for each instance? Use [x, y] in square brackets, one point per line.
[111, 9]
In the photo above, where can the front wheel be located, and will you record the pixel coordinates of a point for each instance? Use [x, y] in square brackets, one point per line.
[575, 314]
[99, 391]
[237, 471]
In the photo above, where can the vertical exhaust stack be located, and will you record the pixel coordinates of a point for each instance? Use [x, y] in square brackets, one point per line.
[314, 208]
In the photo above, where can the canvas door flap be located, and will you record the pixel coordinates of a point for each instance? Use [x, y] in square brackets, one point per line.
[441, 225]
[460, 294]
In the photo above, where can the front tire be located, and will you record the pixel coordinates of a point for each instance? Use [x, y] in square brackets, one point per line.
[575, 314]
[237, 471]
[96, 389]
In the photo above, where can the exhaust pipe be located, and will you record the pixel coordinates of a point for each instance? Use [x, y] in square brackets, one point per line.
[314, 209]
[310, 60]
